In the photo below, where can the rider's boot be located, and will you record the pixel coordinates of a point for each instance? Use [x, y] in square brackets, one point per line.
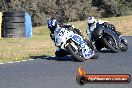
[61, 52]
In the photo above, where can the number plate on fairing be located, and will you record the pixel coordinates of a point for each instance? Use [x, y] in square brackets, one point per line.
[86, 51]
[78, 40]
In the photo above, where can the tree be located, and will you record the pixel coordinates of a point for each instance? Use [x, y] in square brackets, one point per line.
[67, 10]
[108, 7]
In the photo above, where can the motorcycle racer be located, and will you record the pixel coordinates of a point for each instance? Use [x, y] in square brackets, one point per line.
[54, 24]
[94, 24]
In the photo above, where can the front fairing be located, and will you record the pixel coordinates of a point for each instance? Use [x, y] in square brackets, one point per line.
[87, 52]
[61, 36]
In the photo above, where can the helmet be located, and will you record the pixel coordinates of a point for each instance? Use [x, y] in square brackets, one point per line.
[52, 24]
[91, 20]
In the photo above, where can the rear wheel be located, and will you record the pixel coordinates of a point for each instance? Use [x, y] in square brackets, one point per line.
[110, 43]
[75, 53]
[124, 46]
[96, 54]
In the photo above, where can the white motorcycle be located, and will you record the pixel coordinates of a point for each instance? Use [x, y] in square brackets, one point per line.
[78, 47]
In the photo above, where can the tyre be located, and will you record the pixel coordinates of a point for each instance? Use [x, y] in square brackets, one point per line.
[124, 48]
[14, 19]
[96, 55]
[13, 36]
[72, 51]
[13, 14]
[110, 43]
[14, 25]
[15, 31]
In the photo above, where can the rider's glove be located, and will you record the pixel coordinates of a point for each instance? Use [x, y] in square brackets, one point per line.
[106, 25]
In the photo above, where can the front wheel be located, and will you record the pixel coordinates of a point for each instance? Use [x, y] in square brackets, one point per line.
[110, 43]
[74, 53]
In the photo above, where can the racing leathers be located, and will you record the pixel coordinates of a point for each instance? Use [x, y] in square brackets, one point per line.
[61, 52]
[96, 25]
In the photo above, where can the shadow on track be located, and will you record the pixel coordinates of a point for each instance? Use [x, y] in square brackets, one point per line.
[66, 58]
[105, 51]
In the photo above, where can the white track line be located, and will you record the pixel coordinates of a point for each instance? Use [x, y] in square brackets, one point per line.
[17, 61]
[23, 60]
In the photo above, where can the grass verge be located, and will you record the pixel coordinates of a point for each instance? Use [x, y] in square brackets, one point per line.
[17, 49]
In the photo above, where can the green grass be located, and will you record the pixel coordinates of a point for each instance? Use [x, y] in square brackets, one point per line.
[16, 49]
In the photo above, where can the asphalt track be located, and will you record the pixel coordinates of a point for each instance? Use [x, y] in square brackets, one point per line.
[51, 72]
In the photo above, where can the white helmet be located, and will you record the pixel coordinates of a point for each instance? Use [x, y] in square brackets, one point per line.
[91, 20]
